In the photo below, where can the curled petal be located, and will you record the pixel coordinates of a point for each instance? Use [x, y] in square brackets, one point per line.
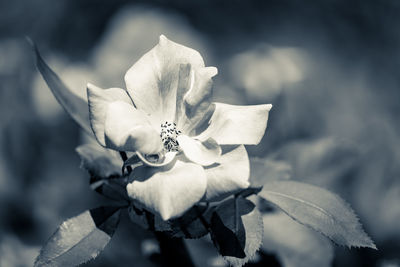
[171, 192]
[99, 99]
[231, 124]
[202, 87]
[129, 129]
[204, 153]
[230, 175]
[197, 101]
[153, 80]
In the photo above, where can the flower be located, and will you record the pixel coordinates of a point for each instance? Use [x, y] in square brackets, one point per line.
[192, 148]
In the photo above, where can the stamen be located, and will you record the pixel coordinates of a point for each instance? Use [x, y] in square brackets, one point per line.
[168, 135]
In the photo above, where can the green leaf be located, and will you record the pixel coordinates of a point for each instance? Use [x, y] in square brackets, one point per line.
[295, 244]
[240, 217]
[229, 242]
[319, 209]
[76, 106]
[80, 239]
[99, 161]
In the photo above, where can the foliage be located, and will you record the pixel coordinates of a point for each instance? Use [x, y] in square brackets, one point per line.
[319, 209]
[80, 239]
[234, 223]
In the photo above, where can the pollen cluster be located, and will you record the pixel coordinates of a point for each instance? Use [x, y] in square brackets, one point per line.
[168, 134]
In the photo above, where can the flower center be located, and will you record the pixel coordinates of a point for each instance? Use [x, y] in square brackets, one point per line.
[168, 134]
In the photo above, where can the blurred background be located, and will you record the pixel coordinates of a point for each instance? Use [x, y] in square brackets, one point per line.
[330, 68]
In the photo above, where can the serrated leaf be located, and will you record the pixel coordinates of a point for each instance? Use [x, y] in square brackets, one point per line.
[319, 209]
[295, 244]
[253, 226]
[99, 161]
[80, 238]
[228, 242]
[241, 217]
[75, 106]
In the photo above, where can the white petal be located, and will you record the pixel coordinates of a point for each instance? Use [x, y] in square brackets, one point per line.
[129, 129]
[168, 193]
[204, 153]
[231, 124]
[153, 80]
[230, 175]
[99, 99]
[193, 110]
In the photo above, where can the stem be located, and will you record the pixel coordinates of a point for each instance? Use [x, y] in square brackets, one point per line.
[173, 251]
